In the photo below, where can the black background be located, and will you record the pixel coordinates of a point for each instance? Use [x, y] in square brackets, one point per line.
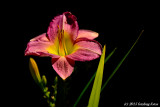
[118, 26]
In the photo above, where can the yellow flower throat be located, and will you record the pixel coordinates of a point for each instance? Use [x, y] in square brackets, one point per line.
[62, 45]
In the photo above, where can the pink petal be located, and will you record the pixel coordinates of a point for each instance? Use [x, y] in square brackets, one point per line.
[55, 24]
[38, 46]
[66, 22]
[63, 66]
[41, 37]
[86, 50]
[87, 34]
[70, 25]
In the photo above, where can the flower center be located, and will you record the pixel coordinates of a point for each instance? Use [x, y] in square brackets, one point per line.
[62, 50]
[62, 45]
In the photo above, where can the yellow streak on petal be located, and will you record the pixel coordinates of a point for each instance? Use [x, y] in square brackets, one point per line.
[75, 48]
[68, 43]
[53, 49]
[62, 45]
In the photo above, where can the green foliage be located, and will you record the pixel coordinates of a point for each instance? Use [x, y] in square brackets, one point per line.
[120, 63]
[42, 83]
[90, 81]
[96, 89]
[117, 67]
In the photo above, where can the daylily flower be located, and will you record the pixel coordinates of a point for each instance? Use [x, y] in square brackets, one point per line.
[65, 44]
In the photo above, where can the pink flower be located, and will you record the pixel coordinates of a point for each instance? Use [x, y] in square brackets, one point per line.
[65, 44]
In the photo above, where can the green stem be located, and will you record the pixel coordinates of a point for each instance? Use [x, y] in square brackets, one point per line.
[62, 93]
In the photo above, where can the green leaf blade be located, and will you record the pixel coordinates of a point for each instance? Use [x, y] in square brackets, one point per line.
[92, 78]
[96, 89]
[120, 63]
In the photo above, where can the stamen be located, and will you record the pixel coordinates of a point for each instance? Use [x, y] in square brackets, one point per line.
[62, 47]
[64, 44]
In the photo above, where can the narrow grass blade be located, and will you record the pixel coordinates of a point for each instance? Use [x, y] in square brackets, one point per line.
[108, 57]
[96, 89]
[84, 90]
[120, 63]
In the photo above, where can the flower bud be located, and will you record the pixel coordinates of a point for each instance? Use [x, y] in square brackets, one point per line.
[34, 71]
[44, 80]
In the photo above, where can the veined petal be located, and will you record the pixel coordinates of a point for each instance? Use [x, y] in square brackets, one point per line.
[62, 32]
[70, 25]
[54, 26]
[41, 37]
[65, 22]
[65, 45]
[85, 50]
[87, 34]
[38, 46]
[63, 66]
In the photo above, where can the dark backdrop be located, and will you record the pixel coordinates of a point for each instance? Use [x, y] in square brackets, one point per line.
[118, 26]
